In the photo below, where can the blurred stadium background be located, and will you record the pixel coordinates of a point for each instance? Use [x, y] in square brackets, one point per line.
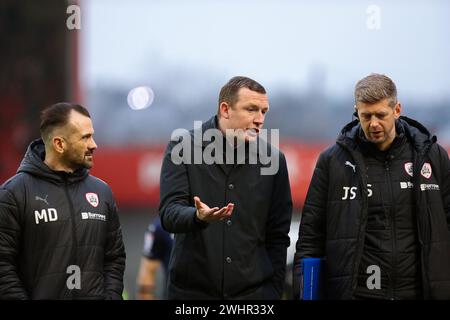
[308, 55]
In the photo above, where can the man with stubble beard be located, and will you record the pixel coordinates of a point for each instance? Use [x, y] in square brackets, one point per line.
[230, 218]
[60, 236]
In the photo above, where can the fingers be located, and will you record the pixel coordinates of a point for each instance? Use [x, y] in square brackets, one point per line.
[211, 211]
[211, 214]
[198, 203]
[224, 212]
[220, 212]
[229, 209]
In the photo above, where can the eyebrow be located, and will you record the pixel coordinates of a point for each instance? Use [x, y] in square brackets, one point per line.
[87, 135]
[376, 113]
[257, 107]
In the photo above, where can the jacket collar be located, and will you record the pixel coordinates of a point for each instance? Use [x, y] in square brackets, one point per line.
[33, 163]
[213, 123]
[415, 132]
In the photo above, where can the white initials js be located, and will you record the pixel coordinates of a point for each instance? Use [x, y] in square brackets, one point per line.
[350, 192]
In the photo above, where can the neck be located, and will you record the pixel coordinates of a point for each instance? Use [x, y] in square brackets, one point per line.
[221, 125]
[55, 164]
[223, 129]
[386, 145]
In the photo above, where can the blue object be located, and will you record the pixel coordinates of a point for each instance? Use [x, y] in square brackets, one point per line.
[311, 280]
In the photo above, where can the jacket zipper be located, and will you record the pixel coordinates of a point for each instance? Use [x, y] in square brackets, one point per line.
[74, 258]
[423, 254]
[393, 234]
[361, 232]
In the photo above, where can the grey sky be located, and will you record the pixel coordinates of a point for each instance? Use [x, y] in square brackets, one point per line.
[276, 42]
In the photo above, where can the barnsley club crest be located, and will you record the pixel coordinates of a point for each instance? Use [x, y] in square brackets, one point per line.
[92, 198]
[409, 168]
[426, 170]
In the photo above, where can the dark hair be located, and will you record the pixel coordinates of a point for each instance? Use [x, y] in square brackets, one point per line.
[375, 88]
[229, 92]
[57, 115]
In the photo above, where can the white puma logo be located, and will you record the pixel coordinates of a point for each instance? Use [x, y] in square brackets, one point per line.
[348, 163]
[42, 199]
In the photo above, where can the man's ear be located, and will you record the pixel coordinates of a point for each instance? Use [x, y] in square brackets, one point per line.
[355, 114]
[59, 144]
[397, 110]
[224, 109]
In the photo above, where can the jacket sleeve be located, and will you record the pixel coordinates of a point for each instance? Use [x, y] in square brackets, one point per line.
[178, 215]
[278, 224]
[312, 230]
[11, 286]
[114, 261]
[445, 181]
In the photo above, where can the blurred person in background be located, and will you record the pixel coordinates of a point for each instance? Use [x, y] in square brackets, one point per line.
[154, 261]
[378, 206]
[60, 236]
[230, 222]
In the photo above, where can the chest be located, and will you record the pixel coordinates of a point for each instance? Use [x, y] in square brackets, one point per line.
[53, 212]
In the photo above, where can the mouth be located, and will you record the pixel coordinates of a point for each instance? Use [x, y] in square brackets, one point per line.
[376, 133]
[252, 132]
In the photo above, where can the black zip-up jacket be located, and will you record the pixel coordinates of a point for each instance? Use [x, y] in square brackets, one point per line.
[243, 257]
[60, 236]
[340, 227]
[391, 233]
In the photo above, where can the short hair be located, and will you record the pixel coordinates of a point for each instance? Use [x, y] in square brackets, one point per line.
[57, 115]
[374, 88]
[229, 92]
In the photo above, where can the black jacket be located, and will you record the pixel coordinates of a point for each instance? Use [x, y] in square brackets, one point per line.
[50, 221]
[335, 226]
[243, 257]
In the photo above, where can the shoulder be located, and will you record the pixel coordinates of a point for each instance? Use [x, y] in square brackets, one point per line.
[439, 155]
[16, 180]
[97, 185]
[438, 150]
[14, 189]
[97, 182]
[17, 183]
[271, 150]
[333, 150]
[330, 152]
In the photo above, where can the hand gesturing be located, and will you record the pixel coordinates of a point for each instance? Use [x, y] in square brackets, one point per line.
[208, 214]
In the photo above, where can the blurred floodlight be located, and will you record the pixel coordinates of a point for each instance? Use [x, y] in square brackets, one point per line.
[140, 98]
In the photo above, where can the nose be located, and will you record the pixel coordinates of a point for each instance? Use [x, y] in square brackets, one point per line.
[92, 145]
[259, 119]
[373, 122]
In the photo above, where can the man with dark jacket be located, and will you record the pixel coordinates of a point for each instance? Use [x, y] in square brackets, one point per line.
[230, 215]
[60, 236]
[378, 206]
